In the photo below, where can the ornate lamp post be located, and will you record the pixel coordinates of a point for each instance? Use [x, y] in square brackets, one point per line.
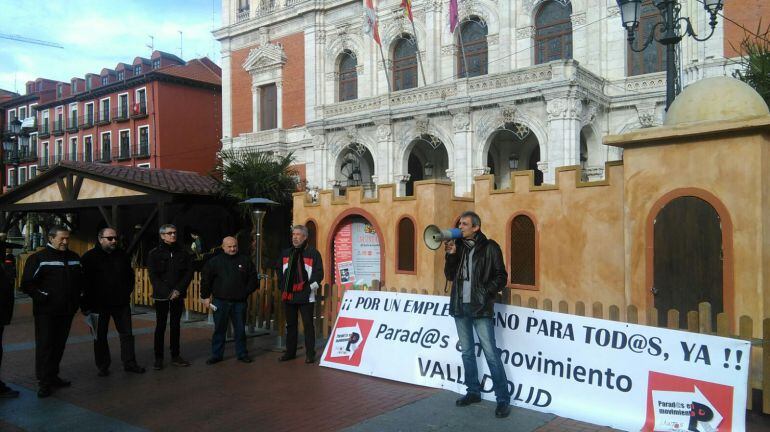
[11, 148]
[670, 31]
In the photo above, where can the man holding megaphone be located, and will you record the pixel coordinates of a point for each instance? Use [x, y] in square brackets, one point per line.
[475, 266]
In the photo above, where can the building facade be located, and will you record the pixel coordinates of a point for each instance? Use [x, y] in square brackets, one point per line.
[160, 112]
[540, 83]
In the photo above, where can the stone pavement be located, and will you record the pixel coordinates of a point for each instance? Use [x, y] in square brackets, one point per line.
[232, 396]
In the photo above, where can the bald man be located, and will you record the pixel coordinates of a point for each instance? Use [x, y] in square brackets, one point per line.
[228, 280]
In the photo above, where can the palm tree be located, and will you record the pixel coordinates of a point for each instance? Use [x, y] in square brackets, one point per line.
[755, 59]
[255, 174]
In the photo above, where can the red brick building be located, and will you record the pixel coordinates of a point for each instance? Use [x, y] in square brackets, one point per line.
[160, 112]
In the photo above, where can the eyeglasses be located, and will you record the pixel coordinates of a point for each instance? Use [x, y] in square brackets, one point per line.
[170, 233]
[110, 238]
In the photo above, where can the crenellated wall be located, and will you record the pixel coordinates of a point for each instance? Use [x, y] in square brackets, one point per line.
[594, 239]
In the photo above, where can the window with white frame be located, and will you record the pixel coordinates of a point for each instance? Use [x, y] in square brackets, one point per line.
[22, 175]
[89, 116]
[106, 147]
[58, 150]
[137, 69]
[144, 141]
[22, 113]
[140, 101]
[33, 145]
[44, 127]
[45, 157]
[11, 115]
[73, 116]
[10, 181]
[123, 105]
[88, 149]
[32, 171]
[125, 144]
[73, 149]
[104, 112]
[33, 110]
[143, 165]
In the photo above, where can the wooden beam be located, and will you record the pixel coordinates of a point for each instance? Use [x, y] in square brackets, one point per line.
[65, 196]
[139, 235]
[76, 187]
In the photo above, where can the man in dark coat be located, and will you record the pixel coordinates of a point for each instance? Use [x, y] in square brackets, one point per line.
[53, 277]
[301, 274]
[109, 284]
[475, 266]
[228, 280]
[6, 313]
[171, 270]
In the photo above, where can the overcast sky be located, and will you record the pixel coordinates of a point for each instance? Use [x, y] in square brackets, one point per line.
[99, 34]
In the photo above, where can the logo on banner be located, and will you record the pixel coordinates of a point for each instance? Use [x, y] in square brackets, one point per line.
[348, 340]
[676, 403]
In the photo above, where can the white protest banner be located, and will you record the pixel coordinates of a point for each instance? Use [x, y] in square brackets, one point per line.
[627, 376]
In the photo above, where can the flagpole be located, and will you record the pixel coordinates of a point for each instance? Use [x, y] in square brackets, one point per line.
[419, 56]
[462, 48]
[385, 68]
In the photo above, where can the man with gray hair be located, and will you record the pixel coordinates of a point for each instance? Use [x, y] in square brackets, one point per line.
[53, 277]
[301, 274]
[170, 268]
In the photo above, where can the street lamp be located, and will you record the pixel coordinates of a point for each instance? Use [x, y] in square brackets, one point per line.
[11, 148]
[669, 31]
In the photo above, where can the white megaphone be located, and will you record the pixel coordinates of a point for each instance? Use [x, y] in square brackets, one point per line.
[434, 236]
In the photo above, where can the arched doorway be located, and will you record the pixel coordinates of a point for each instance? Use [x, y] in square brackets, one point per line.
[356, 253]
[688, 259]
[355, 167]
[428, 159]
[513, 148]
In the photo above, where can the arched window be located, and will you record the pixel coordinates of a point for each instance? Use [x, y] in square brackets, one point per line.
[405, 63]
[405, 259]
[348, 77]
[474, 42]
[652, 58]
[311, 234]
[522, 253]
[553, 32]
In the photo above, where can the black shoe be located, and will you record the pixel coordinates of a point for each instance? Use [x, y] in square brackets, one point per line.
[8, 393]
[60, 383]
[286, 357]
[245, 359]
[213, 360]
[468, 399]
[44, 391]
[310, 359]
[503, 409]
[135, 368]
[103, 372]
[158, 365]
[179, 361]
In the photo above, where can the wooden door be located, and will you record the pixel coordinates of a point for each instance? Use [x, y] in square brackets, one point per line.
[688, 260]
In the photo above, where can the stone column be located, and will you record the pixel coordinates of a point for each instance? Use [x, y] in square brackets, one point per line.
[385, 147]
[563, 134]
[463, 157]
[279, 104]
[255, 94]
[227, 100]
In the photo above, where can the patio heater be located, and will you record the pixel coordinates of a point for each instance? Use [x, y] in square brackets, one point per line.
[259, 208]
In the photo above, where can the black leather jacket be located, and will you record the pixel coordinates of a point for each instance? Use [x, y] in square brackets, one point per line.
[488, 277]
[170, 269]
[54, 280]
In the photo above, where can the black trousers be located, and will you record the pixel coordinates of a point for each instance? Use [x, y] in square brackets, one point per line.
[162, 310]
[121, 316]
[2, 327]
[306, 310]
[51, 333]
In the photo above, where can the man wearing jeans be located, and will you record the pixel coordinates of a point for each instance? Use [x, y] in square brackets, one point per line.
[228, 280]
[475, 266]
[170, 269]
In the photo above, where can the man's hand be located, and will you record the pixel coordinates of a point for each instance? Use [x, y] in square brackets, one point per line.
[174, 295]
[450, 247]
[206, 302]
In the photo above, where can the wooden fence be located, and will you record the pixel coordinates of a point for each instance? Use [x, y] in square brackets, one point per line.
[265, 311]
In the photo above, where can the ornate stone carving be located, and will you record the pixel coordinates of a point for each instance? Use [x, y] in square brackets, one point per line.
[563, 108]
[493, 39]
[647, 119]
[525, 32]
[403, 178]
[448, 50]
[265, 57]
[589, 113]
[320, 37]
[433, 5]
[421, 125]
[578, 19]
[481, 171]
[332, 76]
[450, 174]
[461, 122]
[351, 133]
[263, 36]
[319, 141]
[613, 11]
[383, 132]
[542, 166]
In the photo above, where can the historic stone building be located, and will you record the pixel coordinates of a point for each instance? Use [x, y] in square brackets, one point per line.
[540, 84]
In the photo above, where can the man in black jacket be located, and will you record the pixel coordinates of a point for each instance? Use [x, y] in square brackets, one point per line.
[53, 277]
[6, 313]
[109, 284]
[475, 266]
[301, 275]
[228, 280]
[170, 268]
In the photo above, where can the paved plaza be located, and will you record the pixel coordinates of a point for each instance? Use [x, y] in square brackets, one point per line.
[232, 396]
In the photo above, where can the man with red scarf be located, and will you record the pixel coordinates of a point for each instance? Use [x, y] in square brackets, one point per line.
[301, 275]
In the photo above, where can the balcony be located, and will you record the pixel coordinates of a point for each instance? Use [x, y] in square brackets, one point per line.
[104, 118]
[86, 122]
[43, 131]
[124, 153]
[242, 15]
[120, 114]
[139, 110]
[58, 127]
[72, 124]
[143, 151]
[105, 157]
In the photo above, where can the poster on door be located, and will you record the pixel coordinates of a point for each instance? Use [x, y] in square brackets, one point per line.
[356, 253]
